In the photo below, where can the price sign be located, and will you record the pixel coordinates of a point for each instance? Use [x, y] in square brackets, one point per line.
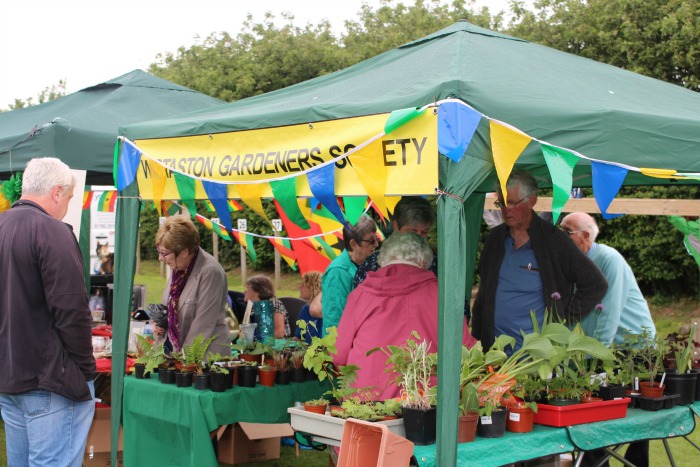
[243, 224]
[215, 220]
[277, 224]
[161, 221]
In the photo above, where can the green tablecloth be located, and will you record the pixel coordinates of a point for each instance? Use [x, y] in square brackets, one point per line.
[543, 440]
[167, 425]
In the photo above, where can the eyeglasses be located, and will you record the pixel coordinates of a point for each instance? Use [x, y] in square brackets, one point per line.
[570, 232]
[500, 204]
[163, 253]
[371, 241]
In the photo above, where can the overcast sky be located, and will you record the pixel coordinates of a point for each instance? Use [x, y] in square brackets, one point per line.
[86, 42]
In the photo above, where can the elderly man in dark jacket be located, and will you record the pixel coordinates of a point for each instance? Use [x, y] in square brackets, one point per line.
[46, 386]
[528, 265]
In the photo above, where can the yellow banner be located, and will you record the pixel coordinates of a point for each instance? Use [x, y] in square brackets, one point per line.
[408, 154]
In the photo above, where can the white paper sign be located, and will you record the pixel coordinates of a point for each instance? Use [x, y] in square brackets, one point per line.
[277, 224]
[243, 224]
[514, 416]
[486, 421]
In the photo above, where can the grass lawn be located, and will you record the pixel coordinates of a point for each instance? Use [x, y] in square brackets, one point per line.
[667, 317]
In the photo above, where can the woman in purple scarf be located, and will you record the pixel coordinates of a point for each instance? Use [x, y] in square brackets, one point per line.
[197, 290]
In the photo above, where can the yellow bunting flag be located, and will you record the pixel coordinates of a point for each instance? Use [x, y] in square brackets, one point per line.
[507, 145]
[252, 195]
[372, 173]
[157, 172]
[658, 173]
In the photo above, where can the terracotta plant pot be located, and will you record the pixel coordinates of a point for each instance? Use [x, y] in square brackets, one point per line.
[589, 399]
[520, 419]
[336, 410]
[466, 430]
[320, 409]
[653, 390]
[266, 377]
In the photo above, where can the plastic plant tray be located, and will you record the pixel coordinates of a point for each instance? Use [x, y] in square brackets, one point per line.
[577, 414]
[329, 427]
[655, 403]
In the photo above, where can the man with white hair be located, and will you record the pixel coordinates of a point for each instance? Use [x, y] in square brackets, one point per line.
[624, 309]
[46, 387]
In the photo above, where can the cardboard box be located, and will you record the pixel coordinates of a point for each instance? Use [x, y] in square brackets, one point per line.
[251, 442]
[97, 448]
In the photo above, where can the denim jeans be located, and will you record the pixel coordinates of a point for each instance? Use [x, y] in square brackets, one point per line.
[43, 428]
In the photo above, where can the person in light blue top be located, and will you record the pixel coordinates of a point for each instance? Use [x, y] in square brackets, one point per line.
[624, 309]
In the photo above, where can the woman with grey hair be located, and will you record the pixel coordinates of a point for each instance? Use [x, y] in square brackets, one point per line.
[360, 242]
[391, 303]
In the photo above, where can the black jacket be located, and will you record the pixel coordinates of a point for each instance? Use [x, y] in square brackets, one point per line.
[45, 321]
[563, 269]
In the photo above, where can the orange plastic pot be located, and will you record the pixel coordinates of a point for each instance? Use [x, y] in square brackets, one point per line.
[266, 377]
[653, 390]
[520, 419]
[466, 430]
[320, 409]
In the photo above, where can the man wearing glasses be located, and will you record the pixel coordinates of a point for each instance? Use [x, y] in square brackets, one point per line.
[528, 265]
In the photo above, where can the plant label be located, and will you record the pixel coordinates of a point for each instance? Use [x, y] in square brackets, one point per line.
[486, 421]
[515, 417]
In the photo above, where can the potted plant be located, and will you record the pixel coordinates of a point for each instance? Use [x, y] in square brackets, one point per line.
[389, 409]
[247, 374]
[297, 359]
[682, 381]
[218, 375]
[468, 412]
[652, 351]
[150, 356]
[191, 360]
[414, 365]
[316, 405]
[280, 357]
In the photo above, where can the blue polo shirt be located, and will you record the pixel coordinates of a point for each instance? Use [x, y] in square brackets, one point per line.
[519, 290]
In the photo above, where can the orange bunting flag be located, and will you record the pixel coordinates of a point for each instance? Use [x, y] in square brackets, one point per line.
[507, 145]
[284, 247]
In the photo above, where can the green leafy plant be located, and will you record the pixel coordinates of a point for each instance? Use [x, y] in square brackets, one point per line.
[192, 355]
[317, 402]
[388, 408]
[218, 369]
[414, 365]
[150, 354]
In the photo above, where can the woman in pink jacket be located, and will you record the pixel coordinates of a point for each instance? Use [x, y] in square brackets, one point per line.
[399, 298]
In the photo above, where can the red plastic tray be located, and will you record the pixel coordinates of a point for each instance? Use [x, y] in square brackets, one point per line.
[577, 414]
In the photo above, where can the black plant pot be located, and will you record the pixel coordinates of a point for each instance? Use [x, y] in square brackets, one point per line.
[299, 375]
[183, 380]
[310, 375]
[202, 381]
[683, 385]
[420, 425]
[611, 392]
[167, 376]
[218, 381]
[696, 371]
[229, 377]
[283, 376]
[247, 376]
[493, 426]
[139, 369]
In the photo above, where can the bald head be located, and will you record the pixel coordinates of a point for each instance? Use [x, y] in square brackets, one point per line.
[581, 228]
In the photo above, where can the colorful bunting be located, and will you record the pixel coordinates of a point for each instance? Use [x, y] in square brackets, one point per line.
[234, 206]
[157, 172]
[561, 165]
[607, 180]
[128, 165]
[87, 199]
[371, 172]
[322, 184]
[170, 208]
[658, 173]
[399, 118]
[218, 197]
[284, 247]
[107, 201]
[251, 195]
[246, 242]
[507, 145]
[186, 188]
[354, 207]
[456, 126]
[285, 192]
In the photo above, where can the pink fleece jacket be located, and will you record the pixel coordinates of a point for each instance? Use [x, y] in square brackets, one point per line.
[383, 310]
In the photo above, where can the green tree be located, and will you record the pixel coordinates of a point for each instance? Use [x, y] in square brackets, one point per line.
[48, 94]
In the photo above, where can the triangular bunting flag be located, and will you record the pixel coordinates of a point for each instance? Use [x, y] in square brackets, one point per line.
[285, 192]
[185, 186]
[128, 164]
[658, 173]
[371, 172]
[507, 145]
[246, 242]
[354, 207]
[218, 196]
[170, 208]
[607, 180]
[157, 172]
[252, 195]
[322, 184]
[107, 201]
[456, 126]
[234, 206]
[284, 247]
[399, 118]
[561, 165]
[87, 199]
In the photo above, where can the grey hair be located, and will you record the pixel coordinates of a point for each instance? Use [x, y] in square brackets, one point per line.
[406, 247]
[413, 211]
[43, 174]
[358, 231]
[524, 181]
[588, 224]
